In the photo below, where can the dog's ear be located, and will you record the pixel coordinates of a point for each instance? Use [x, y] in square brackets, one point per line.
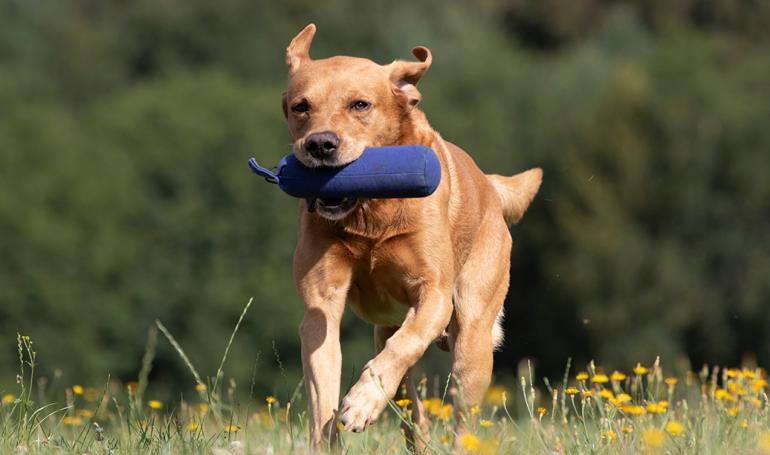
[405, 75]
[298, 51]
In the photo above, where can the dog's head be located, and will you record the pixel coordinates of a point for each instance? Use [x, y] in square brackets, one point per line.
[338, 106]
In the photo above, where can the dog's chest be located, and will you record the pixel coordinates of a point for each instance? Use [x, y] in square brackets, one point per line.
[381, 291]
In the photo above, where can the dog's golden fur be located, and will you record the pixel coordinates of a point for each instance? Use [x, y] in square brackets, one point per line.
[417, 269]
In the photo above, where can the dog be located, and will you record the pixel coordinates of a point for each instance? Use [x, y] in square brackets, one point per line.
[419, 270]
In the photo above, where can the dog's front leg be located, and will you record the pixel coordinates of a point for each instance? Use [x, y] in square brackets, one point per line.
[323, 284]
[379, 381]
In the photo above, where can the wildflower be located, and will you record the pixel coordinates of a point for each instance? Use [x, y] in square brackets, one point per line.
[200, 387]
[675, 428]
[653, 437]
[270, 400]
[475, 410]
[610, 435]
[663, 403]
[606, 394]
[640, 370]
[445, 439]
[541, 411]
[231, 428]
[722, 394]
[734, 373]
[203, 408]
[757, 385]
[155, 404]
[193, 427]
[732, 412]
[617, 376]
[486, 423]
[78, 389]
[744, 423]
[655, 408]
[736, 388]
[72, 420]
[633, 410]
[756, 402]
[627, 429]
[623, 398]
[582, 376]
[432, 405]
[749, 373]
[671, 381]
[572, 391]
[445, 413]
[600, 378]
[9, 398]
[764, 443]
[85, 413]
[471, 443]
[496, 395]
[588, 393]
[404, 402]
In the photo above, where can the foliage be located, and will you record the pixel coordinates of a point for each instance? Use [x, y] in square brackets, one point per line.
[125, 198]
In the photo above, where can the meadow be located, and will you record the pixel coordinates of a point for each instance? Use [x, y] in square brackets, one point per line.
[591, 410]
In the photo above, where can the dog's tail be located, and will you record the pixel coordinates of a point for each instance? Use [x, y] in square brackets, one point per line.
[517, 192]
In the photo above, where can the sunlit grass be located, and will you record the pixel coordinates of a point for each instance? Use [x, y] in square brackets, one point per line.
[641, 410]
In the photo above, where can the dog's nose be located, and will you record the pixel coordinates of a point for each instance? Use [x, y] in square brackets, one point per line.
[322, 145]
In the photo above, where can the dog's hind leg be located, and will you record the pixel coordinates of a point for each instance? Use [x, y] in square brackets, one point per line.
[415, 429]
[474, 331]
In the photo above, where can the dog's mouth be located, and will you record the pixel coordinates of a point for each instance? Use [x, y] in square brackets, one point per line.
[335, 208]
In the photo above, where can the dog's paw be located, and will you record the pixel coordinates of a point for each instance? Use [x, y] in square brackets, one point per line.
[363, 404]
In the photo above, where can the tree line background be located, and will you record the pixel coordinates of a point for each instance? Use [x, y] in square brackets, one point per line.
[125, 196]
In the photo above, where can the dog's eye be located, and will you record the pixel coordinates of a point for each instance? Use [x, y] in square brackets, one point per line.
[360, 105]
[301, 107]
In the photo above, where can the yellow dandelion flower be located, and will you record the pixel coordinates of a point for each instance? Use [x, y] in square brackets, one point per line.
[541, 411]
[627, 429]
[486, 423]
[445, 413]
[640, 370]
[404, 402]
[744, 423]
[600, 378]
[471, 443]
[9, 398]
[609, 435]
[78, 389]
[231, 428]
[756, 402]
[606, 394]
[764, 443]
[91, 394]
[734, 373]
[623, 398]
[653, 437]
[736, 388]
[588, 393]
[155, 404]
[732, 411]
[582, 376]
[722, 394]
[72, 420]
[758, 385]
[675, 428]
[445, 439]
[203, 408]
[496, 395]
[633, 410]
[200, 387]
[750, 374]
[432, 405]
[475, 410]
[671, 381]
[84, 413]
[270, 400]
[655, 408]
[193, 427]
[572, 391]
[663, 403]
[617, 376]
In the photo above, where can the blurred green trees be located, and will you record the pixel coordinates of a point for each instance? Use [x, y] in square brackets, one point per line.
[124, 195]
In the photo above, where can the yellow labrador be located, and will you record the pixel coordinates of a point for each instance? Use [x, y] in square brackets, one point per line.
[417, 269]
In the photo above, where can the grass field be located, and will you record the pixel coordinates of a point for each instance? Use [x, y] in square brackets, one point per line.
[642, 410]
